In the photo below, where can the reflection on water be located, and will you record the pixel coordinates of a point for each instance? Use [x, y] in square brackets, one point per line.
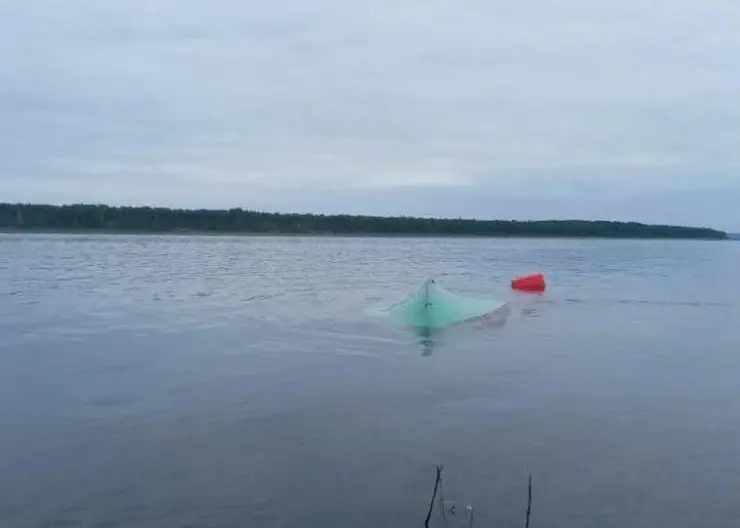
[429, 336]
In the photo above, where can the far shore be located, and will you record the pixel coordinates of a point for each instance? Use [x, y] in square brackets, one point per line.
[257, 234]
[92, 218]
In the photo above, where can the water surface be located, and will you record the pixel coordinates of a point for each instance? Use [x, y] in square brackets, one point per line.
[249, 381]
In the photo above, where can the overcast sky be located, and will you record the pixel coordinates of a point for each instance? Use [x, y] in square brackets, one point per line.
[529, 109]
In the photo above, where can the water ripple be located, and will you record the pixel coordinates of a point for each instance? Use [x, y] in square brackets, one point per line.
[178, 380]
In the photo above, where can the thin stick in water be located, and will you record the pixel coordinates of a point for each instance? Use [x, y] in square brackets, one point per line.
[434, 496]
[442, 499]
[529, 500]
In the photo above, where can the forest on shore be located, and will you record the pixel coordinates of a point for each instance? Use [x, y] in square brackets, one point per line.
[103, 218]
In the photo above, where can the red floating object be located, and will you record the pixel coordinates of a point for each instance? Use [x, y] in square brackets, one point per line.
[529, 283]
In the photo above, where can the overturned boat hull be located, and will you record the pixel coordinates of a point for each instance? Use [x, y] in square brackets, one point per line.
[433, 306]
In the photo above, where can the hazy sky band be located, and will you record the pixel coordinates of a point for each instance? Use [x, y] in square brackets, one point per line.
[533, 109]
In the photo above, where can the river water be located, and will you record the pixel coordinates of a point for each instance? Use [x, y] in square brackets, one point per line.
[171, 381]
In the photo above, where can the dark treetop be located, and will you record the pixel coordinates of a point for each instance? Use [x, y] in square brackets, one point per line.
[146, 219]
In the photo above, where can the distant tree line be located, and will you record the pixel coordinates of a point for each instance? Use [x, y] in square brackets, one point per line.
[84, 217]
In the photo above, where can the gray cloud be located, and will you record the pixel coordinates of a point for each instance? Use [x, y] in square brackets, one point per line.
[528, 109]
